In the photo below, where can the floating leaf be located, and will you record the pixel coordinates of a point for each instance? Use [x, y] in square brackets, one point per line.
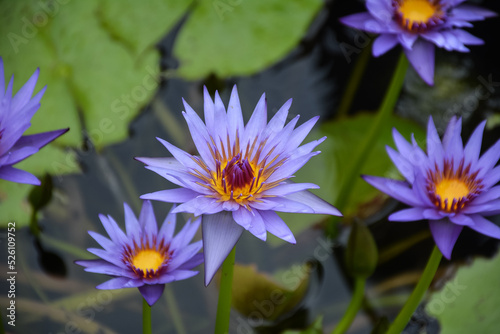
[469, 303]
[229, 38]
[257, 293]
[96, 58]
[100, 67]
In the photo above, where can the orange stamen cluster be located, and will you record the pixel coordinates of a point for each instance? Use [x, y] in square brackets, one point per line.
[147, 260]
[240, 174]
[451, 189]
[418, 15]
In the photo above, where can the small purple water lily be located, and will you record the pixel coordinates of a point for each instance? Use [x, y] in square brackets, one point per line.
[241, 176]
[15, 118]
[418, 25]
[144, 257]
[451, 186]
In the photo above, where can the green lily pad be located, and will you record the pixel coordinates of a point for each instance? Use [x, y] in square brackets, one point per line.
[259, 296]
[98, 61]
[236, 37]
[469, 303]
[329, 168]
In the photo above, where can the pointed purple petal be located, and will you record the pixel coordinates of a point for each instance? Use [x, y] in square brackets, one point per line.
[220, 234]
[488, 160]
[364, 21]
[119, 283]
[257, 226]
[384, 43]
[407, 215]
[199, 206]
[168, 227]
[461, 219]
[151, 293]
[131, 224]
[10, 173]
[147, 220]
[234, 116]
[404, 166]
[434, 146]
[381, 9]
[257, 122]
[169, 163]
[289, 188]
[397, 189]
[195, 261]
[445, 235]
[23, 96]
[319, 205]
[177, 195]
[484, 226]
[39, 140]
[275, 225]
[421, 57]
[473, 147]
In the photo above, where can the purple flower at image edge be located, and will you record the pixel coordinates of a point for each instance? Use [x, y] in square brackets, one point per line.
[145, 257]
[15, 118]
[451, 186]
[241, 176]
[419, 26]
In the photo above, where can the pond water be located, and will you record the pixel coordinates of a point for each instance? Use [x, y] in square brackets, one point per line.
[54, 296]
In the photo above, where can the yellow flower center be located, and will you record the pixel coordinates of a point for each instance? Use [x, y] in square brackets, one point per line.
[451, 192]
[452, 188]
[415, 15]
[148, 259]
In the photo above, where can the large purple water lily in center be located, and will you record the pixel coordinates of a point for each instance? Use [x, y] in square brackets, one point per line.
[419, 26]
[241, 176]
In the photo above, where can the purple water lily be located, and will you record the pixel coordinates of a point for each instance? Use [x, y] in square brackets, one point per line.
[451, 186]
[241, 177]
[418, 25]
[144, 257]
[15, 118]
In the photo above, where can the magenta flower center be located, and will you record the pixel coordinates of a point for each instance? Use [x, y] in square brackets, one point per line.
[418, 15]
[240, 175]
[147, 261]
[451, 189]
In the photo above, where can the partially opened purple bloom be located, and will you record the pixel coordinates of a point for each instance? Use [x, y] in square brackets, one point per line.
[418, 25]
[144, 257]
[241, 176]
[451, 186]
[15, 117]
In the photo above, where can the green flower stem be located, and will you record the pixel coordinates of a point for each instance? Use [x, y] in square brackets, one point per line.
[354, 306]
[366, 146]
[146, 317]
[224, 303]
[416, 296]
[353, 83]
